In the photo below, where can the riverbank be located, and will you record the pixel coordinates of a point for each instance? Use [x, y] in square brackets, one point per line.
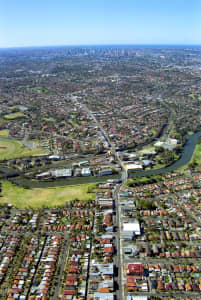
[23, 182]
[185, 158]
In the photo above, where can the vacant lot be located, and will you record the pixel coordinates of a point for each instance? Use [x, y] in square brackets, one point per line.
[14, 149]
[43, 197]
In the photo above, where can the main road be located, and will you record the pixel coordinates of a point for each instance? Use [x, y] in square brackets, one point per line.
[118, 224]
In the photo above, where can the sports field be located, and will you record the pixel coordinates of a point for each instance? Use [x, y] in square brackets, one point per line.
[10, 149]
[43, 197]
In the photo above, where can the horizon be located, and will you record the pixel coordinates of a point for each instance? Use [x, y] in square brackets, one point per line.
[101, 45]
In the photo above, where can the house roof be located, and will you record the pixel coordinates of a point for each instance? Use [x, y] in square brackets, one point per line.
[104, 296]
[135, 268]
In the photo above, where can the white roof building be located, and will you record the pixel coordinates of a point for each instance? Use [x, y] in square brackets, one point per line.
[86, 172]
[61, 173]
[172, 141]
[131, 229]
[137, 298]
[159, 144]
[134, 226]
[132, 166]
[168, 144]
[103, 296]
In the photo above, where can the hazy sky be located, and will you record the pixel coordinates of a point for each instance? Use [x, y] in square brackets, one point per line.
[79, 22]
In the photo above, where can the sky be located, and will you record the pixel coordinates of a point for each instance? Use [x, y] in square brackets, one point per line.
[96, 22]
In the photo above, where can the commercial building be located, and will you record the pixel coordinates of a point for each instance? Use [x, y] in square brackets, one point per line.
[130, 230]
[86, 172]
[61, 173]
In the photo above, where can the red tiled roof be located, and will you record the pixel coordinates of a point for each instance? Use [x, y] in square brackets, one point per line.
[135, 268]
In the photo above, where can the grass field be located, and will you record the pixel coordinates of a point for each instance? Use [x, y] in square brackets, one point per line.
[10, 149]
[40, 89]
[12, 108]
[146, 150]
[196, 158]
[194, 96]
[197, 155]
[4, 132]
[13, 116]
[43, 197]
[3, 122]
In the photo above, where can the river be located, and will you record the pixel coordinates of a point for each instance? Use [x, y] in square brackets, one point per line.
[186, 155]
